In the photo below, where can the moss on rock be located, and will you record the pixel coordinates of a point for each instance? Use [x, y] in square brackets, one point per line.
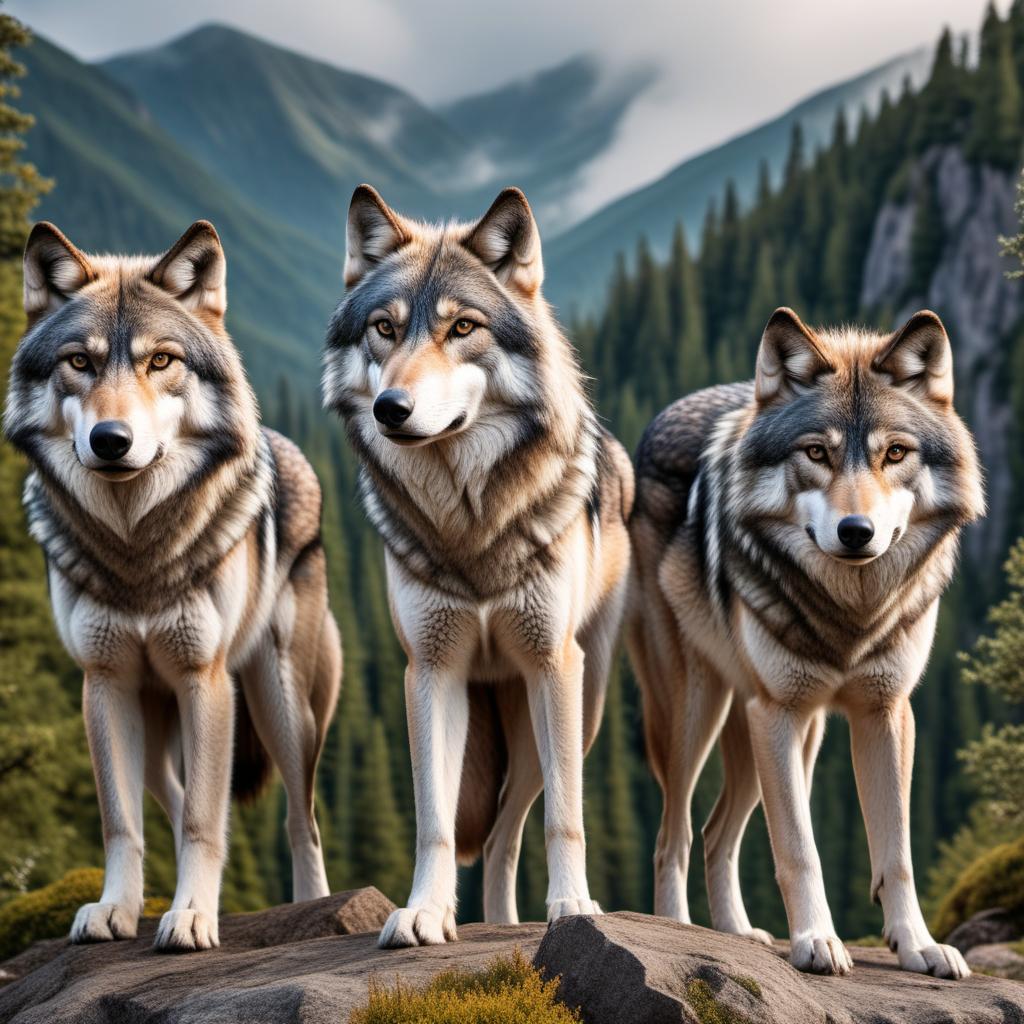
[995, 879]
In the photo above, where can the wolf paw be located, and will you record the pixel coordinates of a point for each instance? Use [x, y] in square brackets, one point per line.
[182, 931]
[104, 922]
[418, 926]
[572, 908]
[759, 935]
[938, 960]
[820, 954]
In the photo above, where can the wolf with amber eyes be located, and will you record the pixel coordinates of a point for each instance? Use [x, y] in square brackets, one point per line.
[791, 539]
[183, 550]
[502, 504]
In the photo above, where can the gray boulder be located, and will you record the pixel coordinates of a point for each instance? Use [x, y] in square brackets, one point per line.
[985, 928]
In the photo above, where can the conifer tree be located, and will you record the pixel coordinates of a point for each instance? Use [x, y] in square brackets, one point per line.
[997, 129]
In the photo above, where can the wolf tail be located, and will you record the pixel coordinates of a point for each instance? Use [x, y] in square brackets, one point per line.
[250, 770]
[483, 770]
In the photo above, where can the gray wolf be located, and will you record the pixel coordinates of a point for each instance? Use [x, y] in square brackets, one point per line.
[183, 551]
[791, 539]
[502, 505]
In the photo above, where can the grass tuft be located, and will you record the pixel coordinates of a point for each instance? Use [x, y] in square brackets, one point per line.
[509, 990]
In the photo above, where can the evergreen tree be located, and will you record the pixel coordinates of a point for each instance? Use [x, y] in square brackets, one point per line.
[997, 129]
[941, 107]
[692, 370]
[926, 239]
[995, 762]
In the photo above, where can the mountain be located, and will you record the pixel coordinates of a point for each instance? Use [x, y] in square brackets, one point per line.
[542, 131]
[296, 135]
[291, 134]
[123, 184]
[580, 260]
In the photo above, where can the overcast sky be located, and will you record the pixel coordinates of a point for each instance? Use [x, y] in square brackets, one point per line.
[728, 64]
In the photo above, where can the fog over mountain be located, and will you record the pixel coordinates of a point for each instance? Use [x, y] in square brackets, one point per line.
[714, 70]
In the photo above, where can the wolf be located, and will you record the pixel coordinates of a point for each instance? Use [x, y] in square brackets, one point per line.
[183, 552]
[502, 504]
[791, 539]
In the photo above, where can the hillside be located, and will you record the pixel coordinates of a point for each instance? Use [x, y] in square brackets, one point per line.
[296, 135]
[580, 260]
[123, 184]
[291, 134]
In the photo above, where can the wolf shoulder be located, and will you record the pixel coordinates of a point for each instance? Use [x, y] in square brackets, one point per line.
[670, 449]
[297, 497]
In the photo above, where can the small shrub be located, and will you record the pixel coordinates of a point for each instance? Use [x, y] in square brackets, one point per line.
[507, 991]
[996, 879]
[47, 913]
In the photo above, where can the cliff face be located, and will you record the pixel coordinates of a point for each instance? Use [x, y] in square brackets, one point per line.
[969, 289]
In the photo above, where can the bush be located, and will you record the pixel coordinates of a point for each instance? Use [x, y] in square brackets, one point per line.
[508, 991]
[47, 913]
[996, 879]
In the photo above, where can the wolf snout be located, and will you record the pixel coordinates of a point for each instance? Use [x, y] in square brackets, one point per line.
[111, 439]
[855, 532]
[393, 407]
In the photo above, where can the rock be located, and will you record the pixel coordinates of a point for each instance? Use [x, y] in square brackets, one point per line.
[297, 964]
[995, 925]
[633, 969]
[998, 959]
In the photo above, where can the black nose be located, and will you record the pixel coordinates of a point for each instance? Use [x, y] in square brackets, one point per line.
[111, 439]
[855, 531]
[393, 407]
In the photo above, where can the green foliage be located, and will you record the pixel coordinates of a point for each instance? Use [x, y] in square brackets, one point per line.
[996, 879]
[976, 837]
[1015, 246]
[995, 761]
[47, 913]
[509, 990]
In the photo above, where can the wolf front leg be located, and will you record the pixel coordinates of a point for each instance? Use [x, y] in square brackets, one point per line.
[114, 726]
[206, 708]
[437, 707]
[778, 735]
[882, 739]
[555, 691]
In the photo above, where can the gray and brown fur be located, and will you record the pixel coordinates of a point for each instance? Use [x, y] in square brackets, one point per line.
[187, 575]
[751, 618]
[502, 505]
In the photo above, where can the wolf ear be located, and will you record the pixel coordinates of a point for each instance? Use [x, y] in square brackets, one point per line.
[194, 270]
[789, 358]
[507, 241]
[54, 270]
[919, 357]
[374, 232]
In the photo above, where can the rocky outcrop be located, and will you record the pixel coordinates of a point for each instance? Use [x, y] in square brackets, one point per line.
[996, 925]
[299, 964]
[969, 289]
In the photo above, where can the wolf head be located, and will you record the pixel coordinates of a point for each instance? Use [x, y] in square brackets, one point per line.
[441, 329]
[854, 445]
[125, 371]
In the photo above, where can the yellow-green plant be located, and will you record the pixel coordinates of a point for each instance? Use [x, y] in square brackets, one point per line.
[47, 913]
[509, 990]
[996, 879]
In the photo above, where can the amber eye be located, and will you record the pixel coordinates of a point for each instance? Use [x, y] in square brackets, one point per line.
[895, 453]
[816, 453]
[160, 361]
[463, 327]
[385, 328]
[79, 361]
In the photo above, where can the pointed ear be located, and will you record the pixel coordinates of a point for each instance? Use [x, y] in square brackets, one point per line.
[790, 357]
[54, 270]
[194, 271]
[507, 241]
[374, 232]
[919, 357]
